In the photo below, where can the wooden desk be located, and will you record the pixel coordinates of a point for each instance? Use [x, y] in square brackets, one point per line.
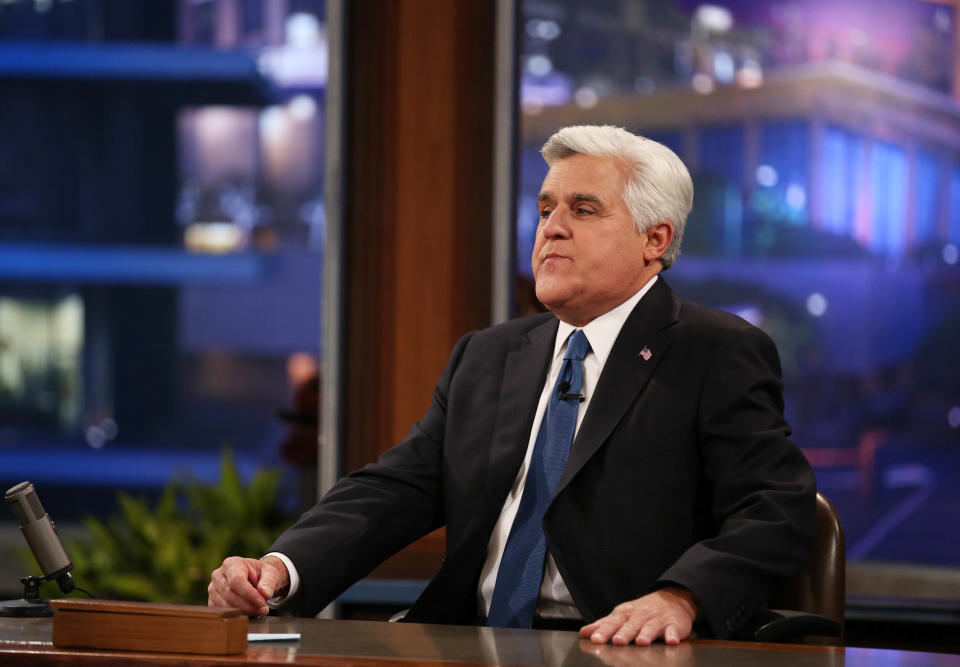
[378, 644]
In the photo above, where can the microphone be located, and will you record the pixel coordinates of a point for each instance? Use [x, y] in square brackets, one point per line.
[563, 388]
[42, 537]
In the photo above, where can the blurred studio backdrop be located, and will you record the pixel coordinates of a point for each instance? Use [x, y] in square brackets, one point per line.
[165, 170]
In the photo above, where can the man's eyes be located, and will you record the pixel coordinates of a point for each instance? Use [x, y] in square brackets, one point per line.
[578, 211]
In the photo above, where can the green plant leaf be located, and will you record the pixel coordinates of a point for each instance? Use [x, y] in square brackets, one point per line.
[166, 553]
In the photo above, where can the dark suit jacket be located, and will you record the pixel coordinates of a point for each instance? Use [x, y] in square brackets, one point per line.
[681, 472]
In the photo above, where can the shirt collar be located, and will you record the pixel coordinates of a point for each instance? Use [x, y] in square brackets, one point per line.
[602, 331]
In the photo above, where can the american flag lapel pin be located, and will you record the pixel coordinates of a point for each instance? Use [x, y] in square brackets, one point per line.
[646, 353]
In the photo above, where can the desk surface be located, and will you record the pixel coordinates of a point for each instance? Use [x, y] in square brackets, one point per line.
[377, 644]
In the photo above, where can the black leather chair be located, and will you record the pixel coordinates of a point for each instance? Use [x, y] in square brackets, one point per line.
[809, 608]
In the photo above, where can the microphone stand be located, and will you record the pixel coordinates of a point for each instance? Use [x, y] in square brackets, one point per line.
[30, 605]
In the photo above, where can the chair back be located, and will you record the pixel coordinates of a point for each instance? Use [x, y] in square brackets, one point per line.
[820, 586]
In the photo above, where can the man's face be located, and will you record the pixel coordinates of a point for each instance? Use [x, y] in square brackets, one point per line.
[588, 257]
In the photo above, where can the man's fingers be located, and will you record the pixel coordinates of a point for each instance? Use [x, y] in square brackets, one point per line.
[598, 631]
[240, 579]
[257, 608]
[589, 629]
[650, 632]
[627, 632]
[247, 599]
[664, 613]
[268, 583]
[273, 577]
[603, 629]
[217, 599]
[232, 585]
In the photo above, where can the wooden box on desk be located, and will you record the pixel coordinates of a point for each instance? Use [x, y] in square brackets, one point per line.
[141, 626]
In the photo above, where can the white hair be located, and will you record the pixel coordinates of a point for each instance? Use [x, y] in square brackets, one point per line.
[657, 186]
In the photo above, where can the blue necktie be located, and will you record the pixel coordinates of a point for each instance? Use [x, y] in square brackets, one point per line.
[521, 568]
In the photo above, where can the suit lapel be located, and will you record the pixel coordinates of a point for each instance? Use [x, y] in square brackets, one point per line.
[526, 367]
[641, 345]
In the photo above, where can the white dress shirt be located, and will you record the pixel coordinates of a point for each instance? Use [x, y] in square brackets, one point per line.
[601, 332]
[555, 600]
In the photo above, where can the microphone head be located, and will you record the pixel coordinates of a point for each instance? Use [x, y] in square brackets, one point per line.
[563, 387]
[25, 503]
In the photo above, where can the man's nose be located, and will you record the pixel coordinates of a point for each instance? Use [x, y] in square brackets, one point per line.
[557, 224]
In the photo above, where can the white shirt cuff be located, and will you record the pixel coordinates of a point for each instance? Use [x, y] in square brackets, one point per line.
[279, 600]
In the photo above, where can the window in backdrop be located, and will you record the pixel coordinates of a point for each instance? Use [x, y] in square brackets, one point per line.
[161, 235]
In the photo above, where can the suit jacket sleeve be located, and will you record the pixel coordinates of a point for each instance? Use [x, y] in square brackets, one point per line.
[373, 512]
[760, 488]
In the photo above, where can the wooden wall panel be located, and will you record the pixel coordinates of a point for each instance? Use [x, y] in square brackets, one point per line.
[419, 207]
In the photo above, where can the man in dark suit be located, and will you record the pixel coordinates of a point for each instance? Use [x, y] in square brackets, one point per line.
[680, 499]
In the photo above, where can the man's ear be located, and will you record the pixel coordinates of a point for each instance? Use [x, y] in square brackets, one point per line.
[658, 240]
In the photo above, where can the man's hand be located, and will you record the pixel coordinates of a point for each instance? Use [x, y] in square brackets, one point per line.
[247, 584]
[668, 613]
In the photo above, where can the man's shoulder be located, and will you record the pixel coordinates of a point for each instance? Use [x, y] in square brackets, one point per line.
[693, 313]
[711, 323]
[515, 327]
[492, 343]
